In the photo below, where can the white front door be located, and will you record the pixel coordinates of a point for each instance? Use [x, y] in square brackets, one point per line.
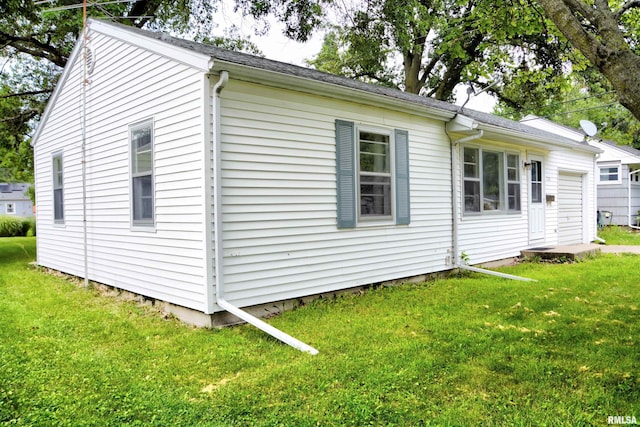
[536, 200]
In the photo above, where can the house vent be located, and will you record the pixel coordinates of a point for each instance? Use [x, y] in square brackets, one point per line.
[90, 57]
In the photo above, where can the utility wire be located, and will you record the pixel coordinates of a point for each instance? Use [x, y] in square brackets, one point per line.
[581, 110]
[78, 6]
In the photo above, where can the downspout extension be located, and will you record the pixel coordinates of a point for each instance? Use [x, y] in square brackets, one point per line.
[218, 240]
[455, 161]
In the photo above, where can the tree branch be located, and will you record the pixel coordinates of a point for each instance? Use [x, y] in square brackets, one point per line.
[34, 92]
[625, 7]
[24, 116]
[34, 47]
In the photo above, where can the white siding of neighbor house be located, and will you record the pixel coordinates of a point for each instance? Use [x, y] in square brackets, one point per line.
[128, 85]
[615, 198]
[279, 198]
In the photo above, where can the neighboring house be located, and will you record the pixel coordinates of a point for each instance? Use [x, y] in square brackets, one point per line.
[217, 180]
[618, 174]
[14, 199]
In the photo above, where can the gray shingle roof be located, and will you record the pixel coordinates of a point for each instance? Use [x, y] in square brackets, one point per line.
[257, 62]
[626, 148]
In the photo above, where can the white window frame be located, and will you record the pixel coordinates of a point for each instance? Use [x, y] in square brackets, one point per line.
[58, 186]
[635, 178]
[10, 208]
[610, 165]
[505, 182]
[146, 223]
[372, 218]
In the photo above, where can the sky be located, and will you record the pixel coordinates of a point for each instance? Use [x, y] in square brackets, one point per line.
[275, 45]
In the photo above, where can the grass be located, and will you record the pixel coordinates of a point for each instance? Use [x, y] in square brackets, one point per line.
[469, 350]
[615, 235]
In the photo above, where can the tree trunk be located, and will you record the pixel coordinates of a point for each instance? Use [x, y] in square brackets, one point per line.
[608, 52]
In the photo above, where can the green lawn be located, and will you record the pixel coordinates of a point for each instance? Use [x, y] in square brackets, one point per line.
[470, 350]
[615, 235]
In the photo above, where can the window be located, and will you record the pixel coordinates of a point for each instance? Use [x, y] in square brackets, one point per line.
[491, 180]
[10, 208]
[142, 200]
[58, 189]
[536, 181]
[609, 173]
[372, 175]
[513, 182]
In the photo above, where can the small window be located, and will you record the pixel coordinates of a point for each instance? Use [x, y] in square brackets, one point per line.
[11, 208]
[491, 181]
[58, 189]
[609, 174]
[142, 199]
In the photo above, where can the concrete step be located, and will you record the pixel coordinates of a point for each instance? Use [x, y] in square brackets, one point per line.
[563, 251]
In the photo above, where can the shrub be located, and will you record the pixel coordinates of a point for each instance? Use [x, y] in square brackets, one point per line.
[11, 226]
[28, 227]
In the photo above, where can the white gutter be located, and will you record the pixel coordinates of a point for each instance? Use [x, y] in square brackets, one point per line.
[629, 200]
[455, 172]
[218, 238]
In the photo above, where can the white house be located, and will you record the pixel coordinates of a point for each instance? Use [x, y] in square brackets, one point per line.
[14, 199]
[215, 180]
[618, 177]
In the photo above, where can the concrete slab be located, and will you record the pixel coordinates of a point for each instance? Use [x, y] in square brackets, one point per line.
[563, 251]
[620, 249]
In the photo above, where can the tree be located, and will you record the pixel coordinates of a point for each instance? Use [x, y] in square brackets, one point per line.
[36, 39]
[586, 95]
[441, 43]
[606, 33]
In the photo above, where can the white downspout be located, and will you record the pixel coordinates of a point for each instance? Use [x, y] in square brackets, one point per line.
[631, 225]
[218, 238]
[455, 171]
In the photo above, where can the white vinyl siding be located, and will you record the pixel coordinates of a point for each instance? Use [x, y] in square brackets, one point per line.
[128, 85]
[280, 198]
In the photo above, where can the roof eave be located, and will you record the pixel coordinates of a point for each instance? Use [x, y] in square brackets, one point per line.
[307, 85]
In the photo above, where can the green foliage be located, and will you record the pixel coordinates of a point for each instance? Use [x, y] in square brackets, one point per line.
[444, 43]
[586, 95]
[11, 226]
[474, 350]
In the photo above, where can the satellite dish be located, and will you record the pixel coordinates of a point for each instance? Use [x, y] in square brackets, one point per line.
[588, 127]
